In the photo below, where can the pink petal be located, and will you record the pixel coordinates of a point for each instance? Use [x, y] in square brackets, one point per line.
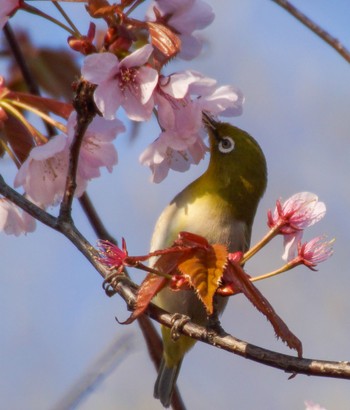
[148, 79]
[108, 98]
[135, 110]
[100, 67]
[138, 57]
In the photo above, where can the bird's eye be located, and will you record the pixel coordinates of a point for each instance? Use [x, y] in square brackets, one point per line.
[226, 145]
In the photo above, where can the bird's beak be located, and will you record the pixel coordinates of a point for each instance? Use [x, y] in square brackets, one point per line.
[208, 121]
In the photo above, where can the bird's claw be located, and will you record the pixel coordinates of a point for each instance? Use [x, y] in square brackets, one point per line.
[110, 283]
[178, 321]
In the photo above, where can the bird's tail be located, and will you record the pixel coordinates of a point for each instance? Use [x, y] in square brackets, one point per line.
[166, 381]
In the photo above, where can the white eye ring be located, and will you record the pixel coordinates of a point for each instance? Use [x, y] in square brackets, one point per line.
[226, 145]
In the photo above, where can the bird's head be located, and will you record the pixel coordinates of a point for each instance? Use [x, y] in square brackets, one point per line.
[237, 166]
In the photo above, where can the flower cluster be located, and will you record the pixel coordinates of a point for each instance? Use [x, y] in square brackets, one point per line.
[290, 219]
[179, 99]
[43, 174]
[127, 71]
[297, 213]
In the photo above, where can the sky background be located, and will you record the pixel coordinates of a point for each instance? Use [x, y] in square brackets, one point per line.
[55, 317]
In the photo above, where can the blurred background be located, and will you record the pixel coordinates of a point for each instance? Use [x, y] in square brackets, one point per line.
[56, 319]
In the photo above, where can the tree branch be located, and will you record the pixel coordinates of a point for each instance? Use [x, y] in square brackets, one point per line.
[222, 340]
[84, 105]
[318, 30]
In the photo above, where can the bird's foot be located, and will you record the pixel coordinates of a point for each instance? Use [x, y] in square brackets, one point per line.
[178, 321]
[110, 283]
[214, 324]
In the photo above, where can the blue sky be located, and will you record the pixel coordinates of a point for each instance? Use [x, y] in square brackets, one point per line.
[55, 317]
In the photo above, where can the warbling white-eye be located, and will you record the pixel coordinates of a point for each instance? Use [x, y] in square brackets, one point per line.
[220, 205]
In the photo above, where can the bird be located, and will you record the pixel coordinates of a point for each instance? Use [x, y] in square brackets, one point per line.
[220, 205]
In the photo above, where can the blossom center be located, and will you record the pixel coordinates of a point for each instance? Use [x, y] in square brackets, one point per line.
[127, 78]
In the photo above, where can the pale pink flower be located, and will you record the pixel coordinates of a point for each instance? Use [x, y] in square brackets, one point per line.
[180, 99]
[97, 149]
[180, 144]
[314, 252]
[128, 83]
[14, 221]
[7, 8]
[161, 158]
[184, 17]
[225, 101]
[293, 216]
[309, 405]
[297, 213]
[43, 174]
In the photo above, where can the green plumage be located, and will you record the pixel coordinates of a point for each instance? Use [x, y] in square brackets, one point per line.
[220, 205]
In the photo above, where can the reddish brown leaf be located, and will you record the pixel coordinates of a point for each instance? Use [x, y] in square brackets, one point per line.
[205, 268]
[18, 137]
[164, 40]
[100, 8]
[43, 104]
[151, 285]
[53, 69]
[241, 281]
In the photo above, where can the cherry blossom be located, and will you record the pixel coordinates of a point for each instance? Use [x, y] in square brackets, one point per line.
[315, 251]
[184, 17]
[293, 216]
[180, 99]
[297, 213]
[43, 174]
[97, 149]
[14, 221]
[128, 83]
[8, 7]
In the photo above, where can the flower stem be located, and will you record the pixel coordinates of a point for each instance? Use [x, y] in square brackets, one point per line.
[39, 113]
[10, 153]
[67, 18]
[265, 240]
[139, 265]
[288, 266]
[133, 7]
[37, 12]
[32, 130]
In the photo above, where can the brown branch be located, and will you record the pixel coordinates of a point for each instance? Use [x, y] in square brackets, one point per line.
[222, 340]
[318, 30]
[86, 111]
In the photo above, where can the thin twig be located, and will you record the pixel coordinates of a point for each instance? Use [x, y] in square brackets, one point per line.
[23, 66]
[105, 364]
[85, 108]
[318, 30]
[94, 219]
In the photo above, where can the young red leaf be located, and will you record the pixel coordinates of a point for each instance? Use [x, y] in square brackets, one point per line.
[150, 286]
[18, 137]
[204, 267]
[46, 105]
[240, 280]
[164, 39]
